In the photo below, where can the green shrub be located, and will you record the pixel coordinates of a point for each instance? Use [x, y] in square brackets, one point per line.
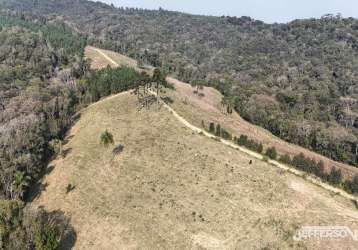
[106, 138]
[46, 239]
[32, 229]
[286, 159]
[225, 135]
[242, 141]
[56, 147]
[218, 130]
[353, 185]
[212, 128]
[271, 153]
[335, 176]
[260, 148]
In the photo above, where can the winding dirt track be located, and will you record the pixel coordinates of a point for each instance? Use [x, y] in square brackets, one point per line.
[244, 150]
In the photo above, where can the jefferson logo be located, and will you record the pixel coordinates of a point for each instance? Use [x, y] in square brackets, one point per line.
[325, 232]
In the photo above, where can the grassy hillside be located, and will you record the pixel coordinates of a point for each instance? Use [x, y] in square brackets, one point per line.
[298, 80]
[208, 109]
[171, 188]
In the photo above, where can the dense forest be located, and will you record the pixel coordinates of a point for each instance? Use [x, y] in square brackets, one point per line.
[36, 96]
[44, 81]
[38, 62]
[299, 80]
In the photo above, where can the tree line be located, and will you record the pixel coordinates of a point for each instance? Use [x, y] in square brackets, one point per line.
[39, 64]
[292, 79]
[44, 81]
[300, 161]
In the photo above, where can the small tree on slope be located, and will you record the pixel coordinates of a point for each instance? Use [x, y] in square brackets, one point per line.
[106, 138]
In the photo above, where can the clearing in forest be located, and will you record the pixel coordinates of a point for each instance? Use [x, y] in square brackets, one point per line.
[172, 188]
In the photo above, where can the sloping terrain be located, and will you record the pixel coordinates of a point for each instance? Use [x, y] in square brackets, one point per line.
[209, 109]
[171, 188]
[298, 80]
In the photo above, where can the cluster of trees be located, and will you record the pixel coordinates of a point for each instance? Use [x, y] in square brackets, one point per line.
[38, 96]
[218, 131]
[44, 80]
[107, 81]
[244, 141]
[303, 163]
[296, 79]
[99, 84]
[23, 228]
[310, 166]
[299, 161]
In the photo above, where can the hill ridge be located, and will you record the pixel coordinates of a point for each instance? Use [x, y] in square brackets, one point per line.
[277, 164]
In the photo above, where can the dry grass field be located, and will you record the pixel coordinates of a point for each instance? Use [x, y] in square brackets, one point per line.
[172, 188]
[208, 109]
[98, 61]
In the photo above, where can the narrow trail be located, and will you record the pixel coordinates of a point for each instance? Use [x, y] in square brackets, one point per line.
[253, 154]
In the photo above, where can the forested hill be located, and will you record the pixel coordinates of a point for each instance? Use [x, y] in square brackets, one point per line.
[299, 80]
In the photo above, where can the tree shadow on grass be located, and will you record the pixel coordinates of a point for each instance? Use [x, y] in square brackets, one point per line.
[66, 152]
[38, 186]
[118, 149]
[67, 139]
[62, 223]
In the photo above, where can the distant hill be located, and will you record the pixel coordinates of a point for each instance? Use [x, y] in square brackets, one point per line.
[299, 80]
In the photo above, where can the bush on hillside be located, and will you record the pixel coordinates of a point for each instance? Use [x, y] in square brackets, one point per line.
[351, 186]
[24, 228]
[106, 138]
[225, 135]
[286, 159]
[250, 144]
[271, 153]
[218, 130]
[212, 128]
[242, 141]
[335, 176]
[56, 147]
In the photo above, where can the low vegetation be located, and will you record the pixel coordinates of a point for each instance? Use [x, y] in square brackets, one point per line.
[271, 153]
[243, 140]
[299, 161]
[106, 138]
[32, 229]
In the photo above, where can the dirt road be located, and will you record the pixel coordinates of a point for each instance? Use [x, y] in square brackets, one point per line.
[244, 150]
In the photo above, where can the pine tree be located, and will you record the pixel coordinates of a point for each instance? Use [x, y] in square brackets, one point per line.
[218, 130]
[242, 141]
[272, 153]
[212, 128]
[335, 176]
